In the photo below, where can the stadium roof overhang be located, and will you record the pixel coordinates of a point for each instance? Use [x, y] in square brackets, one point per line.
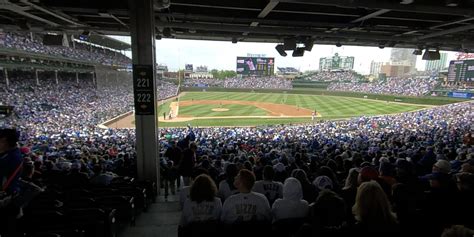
[106, 41]
[443, 24]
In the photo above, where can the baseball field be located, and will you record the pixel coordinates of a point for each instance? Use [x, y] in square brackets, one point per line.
[254, 109]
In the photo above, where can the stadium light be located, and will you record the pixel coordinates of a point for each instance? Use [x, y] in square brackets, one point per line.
[417, 52]
[290, 43]
[308, 44]
[431, 55]
[281, 50]
[452, 3]
[298, 52]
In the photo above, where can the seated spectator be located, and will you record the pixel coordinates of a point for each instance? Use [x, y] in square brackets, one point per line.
[292, 204]
[100, 177]
[271, 189]
[372, 211]
[186, 190]
[367, 174]
[328, 212]
[309, 190]
[442, 166]
[457, 231]
[386, 179]
[323, 183]
[349, 191]
[202, 204]
[226, 187]
[246, 205]
[76, 178]
[465, 185]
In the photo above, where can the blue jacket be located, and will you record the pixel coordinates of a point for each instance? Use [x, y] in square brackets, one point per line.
[9, 162]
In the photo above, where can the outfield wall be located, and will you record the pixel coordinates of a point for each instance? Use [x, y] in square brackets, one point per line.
[425, 100]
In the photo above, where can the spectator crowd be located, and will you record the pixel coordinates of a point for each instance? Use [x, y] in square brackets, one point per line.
[385, 174]
[82, 51]
[328, 76]
[411, 86]
[390, 175]
[245, 82]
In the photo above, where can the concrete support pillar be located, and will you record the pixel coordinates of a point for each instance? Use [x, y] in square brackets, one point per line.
[7, 82]
[142, 22]
[37, 77]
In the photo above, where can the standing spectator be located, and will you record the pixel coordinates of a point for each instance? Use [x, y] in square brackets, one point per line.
[187, 163]
[174, 153]
[10, 161]
[246, 205]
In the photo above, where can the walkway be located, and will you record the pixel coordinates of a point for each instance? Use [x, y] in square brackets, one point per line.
[161, 219]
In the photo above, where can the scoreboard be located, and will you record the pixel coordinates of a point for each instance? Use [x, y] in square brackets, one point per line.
[461, 70]
[255, 66]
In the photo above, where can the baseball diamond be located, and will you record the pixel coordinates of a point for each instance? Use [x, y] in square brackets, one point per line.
[254, 109]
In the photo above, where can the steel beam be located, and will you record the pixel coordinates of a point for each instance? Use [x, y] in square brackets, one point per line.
[268, 8]
[446, 32]
[390, 5]
[373, 14]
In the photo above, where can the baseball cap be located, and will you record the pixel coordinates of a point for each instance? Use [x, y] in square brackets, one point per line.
[323, 182]
[436, 176]
[11, 135]
[443, 165]
[368, 173]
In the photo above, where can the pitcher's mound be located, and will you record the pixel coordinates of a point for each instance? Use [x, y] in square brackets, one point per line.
[220, 109]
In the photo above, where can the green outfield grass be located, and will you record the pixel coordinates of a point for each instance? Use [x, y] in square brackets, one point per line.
[233, 110]
[330, 107]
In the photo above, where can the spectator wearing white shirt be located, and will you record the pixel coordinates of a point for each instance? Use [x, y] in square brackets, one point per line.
[247, 205]
[202, 204]
[271, 189]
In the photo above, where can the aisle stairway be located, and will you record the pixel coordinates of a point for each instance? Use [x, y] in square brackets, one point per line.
[161, 220]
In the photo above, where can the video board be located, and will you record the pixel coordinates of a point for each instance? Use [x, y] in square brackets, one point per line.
[461, 70]
[255, 66]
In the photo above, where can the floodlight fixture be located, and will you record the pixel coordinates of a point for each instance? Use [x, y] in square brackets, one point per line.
[298, 52]
[308, 44]
[289, 43]
[281, 50]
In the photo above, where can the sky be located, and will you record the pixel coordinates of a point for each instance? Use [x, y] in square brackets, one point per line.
[222, 55]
